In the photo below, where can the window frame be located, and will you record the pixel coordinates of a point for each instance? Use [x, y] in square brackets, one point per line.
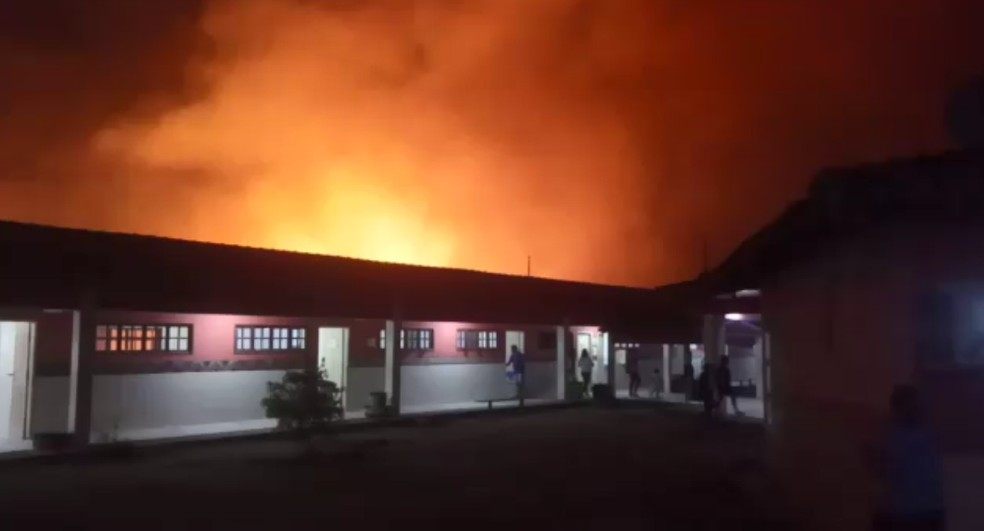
[123, 334]
[410, 344]
[477, 339]
[273, 339]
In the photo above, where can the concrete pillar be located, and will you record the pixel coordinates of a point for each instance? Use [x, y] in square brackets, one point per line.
[80, 381]
[757, 356]
[768, 394]
[666, 368]
[609, 358]
[392, 366]
[714, 339]
[714, 348]
[561, 362]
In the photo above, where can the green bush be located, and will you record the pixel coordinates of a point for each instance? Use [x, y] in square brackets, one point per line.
[303, 399]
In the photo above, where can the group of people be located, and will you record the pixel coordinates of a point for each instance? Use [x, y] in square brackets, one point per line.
[713, 386]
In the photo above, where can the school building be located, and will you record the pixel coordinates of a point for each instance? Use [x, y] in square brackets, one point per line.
[122, 337]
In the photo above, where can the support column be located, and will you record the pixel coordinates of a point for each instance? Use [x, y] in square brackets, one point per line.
[392, 366]
[666, 369]
[757, 356]
[609, 358]
[80, 381]
[714, 349]
[768, 394]
[714, 340]
[561, 373]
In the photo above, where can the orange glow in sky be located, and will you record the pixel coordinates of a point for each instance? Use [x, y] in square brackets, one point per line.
[607, 139]
[340, 135]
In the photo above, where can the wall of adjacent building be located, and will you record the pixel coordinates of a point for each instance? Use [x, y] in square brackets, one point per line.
[845, 327]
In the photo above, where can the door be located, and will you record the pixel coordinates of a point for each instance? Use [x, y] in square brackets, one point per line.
[16, 348]
[600, 352]
[333, 356]
[514, 338]
[583, 343]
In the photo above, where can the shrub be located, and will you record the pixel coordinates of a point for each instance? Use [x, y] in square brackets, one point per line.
[303, 399]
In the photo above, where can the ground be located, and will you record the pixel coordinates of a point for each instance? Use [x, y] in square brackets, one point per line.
[580, 468]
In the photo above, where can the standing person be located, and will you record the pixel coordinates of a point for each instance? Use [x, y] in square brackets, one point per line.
[517, 371]
[909, 466]
[705, 386]
[725, 389]
[632, 369]
[586, 365]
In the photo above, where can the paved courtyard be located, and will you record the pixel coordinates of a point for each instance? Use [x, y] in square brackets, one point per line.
[580, 468]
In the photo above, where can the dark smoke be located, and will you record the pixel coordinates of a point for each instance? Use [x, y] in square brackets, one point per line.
[606, 138]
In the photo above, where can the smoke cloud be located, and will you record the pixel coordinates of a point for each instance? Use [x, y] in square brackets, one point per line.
[605, 139]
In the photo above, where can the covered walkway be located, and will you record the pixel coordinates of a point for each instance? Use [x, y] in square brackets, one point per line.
[114, 337]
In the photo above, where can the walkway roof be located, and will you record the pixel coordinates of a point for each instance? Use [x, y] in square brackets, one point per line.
[51, 267]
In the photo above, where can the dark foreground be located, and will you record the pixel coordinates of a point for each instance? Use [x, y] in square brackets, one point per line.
[579, 469]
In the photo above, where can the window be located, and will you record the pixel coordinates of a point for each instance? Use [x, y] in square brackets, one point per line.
[143, 338]
[626, 345]
[270, 338]
[298, 338]
[411, 339]
[417, 338]
[478, 340]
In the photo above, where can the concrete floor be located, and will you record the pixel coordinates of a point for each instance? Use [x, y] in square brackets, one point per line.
[457, 407]
[749, 407]
[583, 468]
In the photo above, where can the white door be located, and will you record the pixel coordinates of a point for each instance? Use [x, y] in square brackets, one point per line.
[16, 346]
[333, 355]
[583, 343]
[514, 338]
[599, 349]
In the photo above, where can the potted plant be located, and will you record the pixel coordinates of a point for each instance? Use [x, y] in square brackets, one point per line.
[377, 405]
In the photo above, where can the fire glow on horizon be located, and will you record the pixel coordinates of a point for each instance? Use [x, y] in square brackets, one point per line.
[339, 135]
[615, 141]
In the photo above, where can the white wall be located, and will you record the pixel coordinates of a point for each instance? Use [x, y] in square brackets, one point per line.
[744, 364]
[362, 381]
[647, 366]
[449, 383]
[138, 406]
[49, 406]
[453, 383]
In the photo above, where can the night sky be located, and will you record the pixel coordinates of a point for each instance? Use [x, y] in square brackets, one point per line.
[606, 138]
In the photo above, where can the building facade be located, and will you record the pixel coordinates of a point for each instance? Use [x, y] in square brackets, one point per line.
[122, 337]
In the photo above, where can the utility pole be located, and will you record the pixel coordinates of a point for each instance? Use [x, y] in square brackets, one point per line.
[529, 266]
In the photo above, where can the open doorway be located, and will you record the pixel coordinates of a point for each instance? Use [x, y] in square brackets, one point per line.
[587, 341]
[16, 365]
[333, 355]
[514, 338]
